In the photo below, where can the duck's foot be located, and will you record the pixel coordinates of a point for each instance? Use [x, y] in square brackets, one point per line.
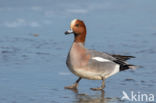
[102, 86]
[74, 86]
[96, 89]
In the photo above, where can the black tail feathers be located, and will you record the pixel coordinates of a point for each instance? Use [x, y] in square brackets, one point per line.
[128, 66]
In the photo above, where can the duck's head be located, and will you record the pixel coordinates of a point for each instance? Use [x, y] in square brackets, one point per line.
[78, 28]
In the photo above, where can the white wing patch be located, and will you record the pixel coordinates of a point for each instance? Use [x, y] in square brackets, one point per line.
[100, 59]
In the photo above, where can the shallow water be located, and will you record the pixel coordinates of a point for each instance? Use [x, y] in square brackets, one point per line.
[33, 49]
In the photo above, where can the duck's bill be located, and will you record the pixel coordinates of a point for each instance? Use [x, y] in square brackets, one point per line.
[69, 32]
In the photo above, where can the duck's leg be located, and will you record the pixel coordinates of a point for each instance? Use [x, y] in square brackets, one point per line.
[102, 86]
[75, 85]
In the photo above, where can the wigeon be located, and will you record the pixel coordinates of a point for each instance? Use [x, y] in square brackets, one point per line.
[91, 64]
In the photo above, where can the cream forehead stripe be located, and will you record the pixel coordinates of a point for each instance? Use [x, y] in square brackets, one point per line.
[73, 22]
[101, 59]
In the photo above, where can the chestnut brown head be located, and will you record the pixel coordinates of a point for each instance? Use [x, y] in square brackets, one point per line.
[78, 28]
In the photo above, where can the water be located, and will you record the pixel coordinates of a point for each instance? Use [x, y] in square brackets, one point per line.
[33, 49]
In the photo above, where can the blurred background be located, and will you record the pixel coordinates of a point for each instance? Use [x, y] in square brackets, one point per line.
[33, 48]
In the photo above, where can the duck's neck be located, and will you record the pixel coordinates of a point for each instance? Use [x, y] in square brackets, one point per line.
[80, 38]
[78, 44]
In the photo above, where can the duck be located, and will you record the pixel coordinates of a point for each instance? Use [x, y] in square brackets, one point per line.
[91, 64]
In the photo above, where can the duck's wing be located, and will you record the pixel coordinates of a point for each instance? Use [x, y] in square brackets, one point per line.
[103, 68]
[106, 58]
[121, 57]
[102, 64]
[103, 55]
[111, 56]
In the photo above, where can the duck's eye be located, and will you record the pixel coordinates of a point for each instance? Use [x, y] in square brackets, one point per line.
[77, 25]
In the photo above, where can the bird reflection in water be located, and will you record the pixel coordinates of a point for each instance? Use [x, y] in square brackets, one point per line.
[85, 98]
